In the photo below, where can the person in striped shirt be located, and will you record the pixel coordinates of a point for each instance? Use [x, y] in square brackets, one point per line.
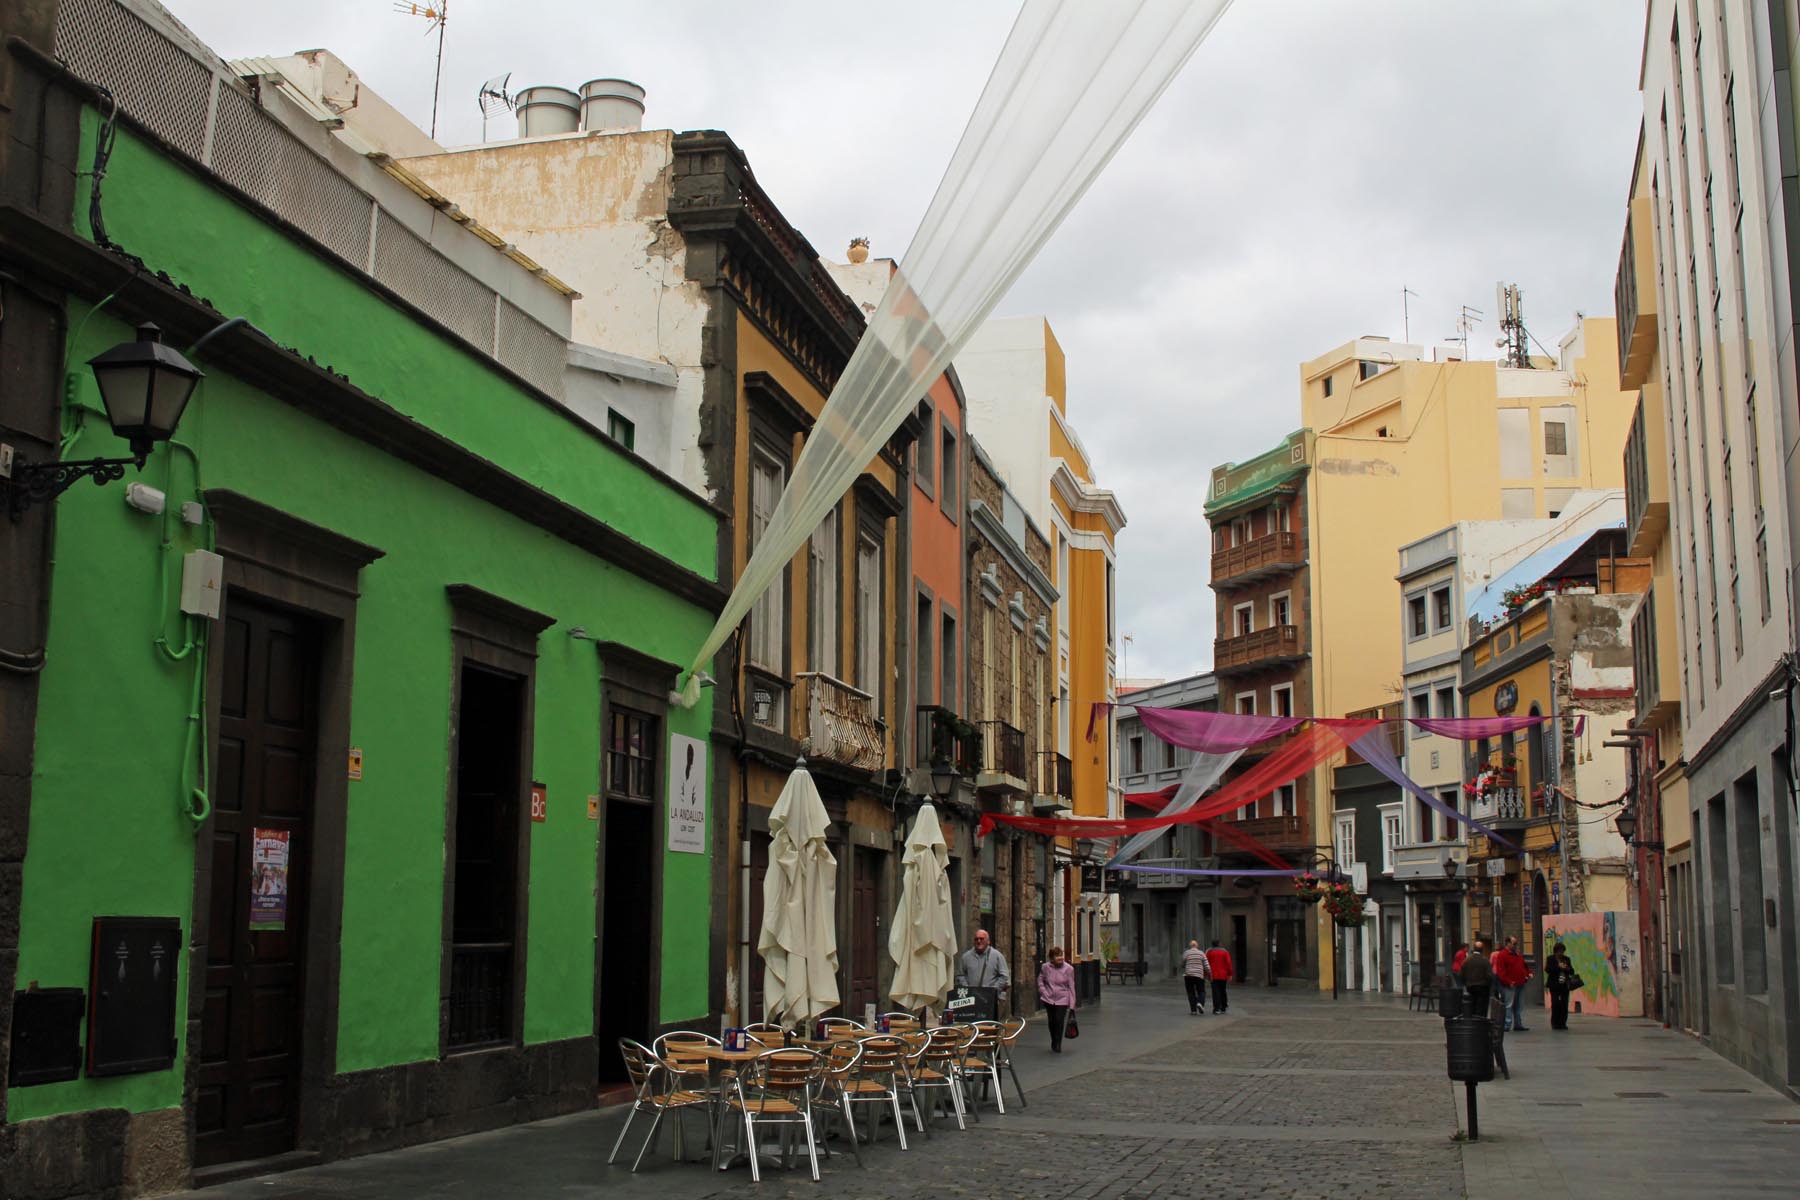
[1195, 972]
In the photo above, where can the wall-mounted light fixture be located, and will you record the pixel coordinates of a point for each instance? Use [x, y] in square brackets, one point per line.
[145, 387]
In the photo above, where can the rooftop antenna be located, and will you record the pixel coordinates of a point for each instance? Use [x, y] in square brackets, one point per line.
[435, 16]
[1405, 314]
[1512, 325]
[493, 97]
[1467, 318]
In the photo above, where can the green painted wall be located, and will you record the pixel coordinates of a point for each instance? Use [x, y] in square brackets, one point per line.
[108, 834]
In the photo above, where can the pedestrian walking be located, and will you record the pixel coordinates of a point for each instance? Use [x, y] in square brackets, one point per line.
[1511, 975]
[1560, 979]
[1477, 976]
[1456, 960]
[1497, 1018]
[1195, 972]
[983, 966]
[1056, 988]
[1218, 961]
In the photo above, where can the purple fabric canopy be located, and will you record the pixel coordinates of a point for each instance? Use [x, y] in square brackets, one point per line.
[1322, 874]
[1213, 732]
[1469, 729]
[1378, 753]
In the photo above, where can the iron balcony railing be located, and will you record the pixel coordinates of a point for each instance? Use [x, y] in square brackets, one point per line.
[1003, 749]
[1056, 775]
[1159, 879]
[837, 722]
[936, 740]
[1269, 554]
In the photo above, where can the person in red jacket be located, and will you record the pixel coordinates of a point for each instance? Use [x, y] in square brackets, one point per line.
[1511, 973]
[1456, 960]
[1219, 959]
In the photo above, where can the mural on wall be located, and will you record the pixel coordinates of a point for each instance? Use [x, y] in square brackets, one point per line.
[1603, 946]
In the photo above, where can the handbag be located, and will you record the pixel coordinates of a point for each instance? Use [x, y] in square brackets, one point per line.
[1575, 983]
[1071, 1029]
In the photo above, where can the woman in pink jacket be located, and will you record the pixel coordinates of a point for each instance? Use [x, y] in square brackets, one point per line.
[1056, 988]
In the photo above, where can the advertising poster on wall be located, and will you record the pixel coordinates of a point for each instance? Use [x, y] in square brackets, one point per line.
[268, 878]
[687, 794]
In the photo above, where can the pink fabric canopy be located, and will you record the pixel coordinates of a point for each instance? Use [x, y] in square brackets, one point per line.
[1469, 729]
[1213, 732]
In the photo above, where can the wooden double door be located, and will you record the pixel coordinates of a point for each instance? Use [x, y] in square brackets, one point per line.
[246, 1103]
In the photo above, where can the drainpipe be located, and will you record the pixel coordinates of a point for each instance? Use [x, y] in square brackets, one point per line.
[1562, 800]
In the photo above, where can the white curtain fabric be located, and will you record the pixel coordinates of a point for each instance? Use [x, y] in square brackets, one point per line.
[1203, 775]
[798, 940]
[922, 942]
[1072, 81]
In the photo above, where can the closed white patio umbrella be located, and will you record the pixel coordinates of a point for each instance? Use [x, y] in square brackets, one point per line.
[923, 940]
[798, 940]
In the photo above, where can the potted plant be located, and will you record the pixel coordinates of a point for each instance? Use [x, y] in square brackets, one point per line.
[1308, 887]
[1343, 902]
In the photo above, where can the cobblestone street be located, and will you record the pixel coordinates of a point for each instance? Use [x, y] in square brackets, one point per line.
[1290, 1095]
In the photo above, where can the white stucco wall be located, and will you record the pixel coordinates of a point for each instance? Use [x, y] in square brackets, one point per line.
[1002, 369]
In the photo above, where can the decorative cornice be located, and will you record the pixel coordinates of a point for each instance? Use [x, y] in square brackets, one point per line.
[776, 402]
[1083, 497]
[874, 495]
[993, 530]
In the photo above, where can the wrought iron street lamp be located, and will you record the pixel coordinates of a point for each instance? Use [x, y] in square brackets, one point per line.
[943, 780]
[145, 387]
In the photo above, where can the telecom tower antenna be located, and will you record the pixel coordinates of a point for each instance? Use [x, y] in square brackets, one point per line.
[435, 17]
[1512, 325]
[1467, 318]
[492, 97]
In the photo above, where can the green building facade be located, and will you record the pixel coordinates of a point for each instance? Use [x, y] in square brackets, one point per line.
[436, 692]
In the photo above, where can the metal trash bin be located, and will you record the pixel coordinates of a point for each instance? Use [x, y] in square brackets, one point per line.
[1469, 1049]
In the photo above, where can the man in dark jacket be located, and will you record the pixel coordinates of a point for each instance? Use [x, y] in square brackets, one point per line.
[1477, 975]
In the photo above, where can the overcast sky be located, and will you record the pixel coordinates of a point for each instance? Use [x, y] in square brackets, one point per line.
[1315, 157]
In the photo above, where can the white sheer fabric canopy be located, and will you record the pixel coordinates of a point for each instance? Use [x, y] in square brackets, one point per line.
[1202, 776]
[1072, 81]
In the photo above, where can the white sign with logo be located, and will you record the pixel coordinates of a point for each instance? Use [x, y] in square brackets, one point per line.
[687, 794]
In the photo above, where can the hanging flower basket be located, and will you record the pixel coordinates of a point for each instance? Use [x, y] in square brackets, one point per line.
[1308, 887]
[1343, 902]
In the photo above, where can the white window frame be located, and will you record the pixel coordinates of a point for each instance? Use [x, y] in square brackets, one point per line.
[1284, 801]
[1438, 689]
[1134, 749]
[1450, 609]
[1343, 835]
[1449, 830]
[868, 615]
[1275, 705]
[1393, 827]
[1243, 620]
[1422, 599]
[1238, 701]
[1412, 703]
[1286, 598]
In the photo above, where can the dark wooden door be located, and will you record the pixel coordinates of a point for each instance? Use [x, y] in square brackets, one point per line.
[865, 872]
[759, 870]
[247, 1096]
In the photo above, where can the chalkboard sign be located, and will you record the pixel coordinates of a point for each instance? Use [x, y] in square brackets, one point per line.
[131, 995]
[46, 1036]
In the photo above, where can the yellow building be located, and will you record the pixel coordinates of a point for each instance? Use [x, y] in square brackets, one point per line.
[1406, 445]
[1015, 377]
[1665, 858]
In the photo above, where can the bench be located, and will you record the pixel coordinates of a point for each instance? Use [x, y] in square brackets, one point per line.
[1123, 971]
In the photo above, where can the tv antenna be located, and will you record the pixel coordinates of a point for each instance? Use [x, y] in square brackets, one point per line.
[493, 97]
[1405, 314]
[1464, 321]
[1512, 325]
[435, 15]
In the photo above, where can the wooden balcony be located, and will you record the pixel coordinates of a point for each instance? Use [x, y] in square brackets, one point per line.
[1277, 833]
[1269, 647]
[1258, 558]
[837, 723]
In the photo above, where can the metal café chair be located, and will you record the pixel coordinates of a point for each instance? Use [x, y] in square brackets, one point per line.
[833, 1025]
[1011, 1028]
[775, 1088]
[932, 1068]
[980, 1060]
[655, 1088]
[877, 1081]
[832, 1094]
[766, 1033]
[902, 1022]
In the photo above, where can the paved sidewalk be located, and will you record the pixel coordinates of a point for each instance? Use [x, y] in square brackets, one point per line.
[1627, 1109]
[1290, 1095]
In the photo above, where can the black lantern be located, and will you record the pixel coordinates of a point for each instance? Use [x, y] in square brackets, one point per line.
[1626, 823]
[145, 386]
[943, 780]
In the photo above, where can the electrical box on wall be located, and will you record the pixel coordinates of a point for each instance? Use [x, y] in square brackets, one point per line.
[202, 583]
